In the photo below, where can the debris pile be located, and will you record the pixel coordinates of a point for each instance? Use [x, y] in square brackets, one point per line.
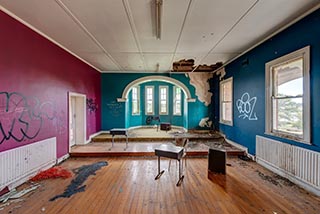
[14, 194]
[54, 172]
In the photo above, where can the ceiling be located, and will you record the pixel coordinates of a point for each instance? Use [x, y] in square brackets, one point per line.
[119, 35]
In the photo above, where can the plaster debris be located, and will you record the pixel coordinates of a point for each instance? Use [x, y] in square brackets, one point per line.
[82, 175]
[205, 122]
[14, 194]
[221, 72]
[201, 83]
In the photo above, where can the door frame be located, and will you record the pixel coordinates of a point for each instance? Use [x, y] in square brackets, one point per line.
[81, 118]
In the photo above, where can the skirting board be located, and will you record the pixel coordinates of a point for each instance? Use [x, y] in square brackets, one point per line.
[95, 134]
[284, 174]
[63, 158]
[239, 146]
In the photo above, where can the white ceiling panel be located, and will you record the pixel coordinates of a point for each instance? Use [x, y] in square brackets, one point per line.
[143, 12]
[208, 21]
[129, 61]
[267, 17]
[154, 59]
[49, 18]
[100, 60]
[107, 21]
[213, 58]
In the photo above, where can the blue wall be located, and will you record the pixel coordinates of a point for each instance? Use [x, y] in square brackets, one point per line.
[138, 120]
[248, 74]
[114, 113]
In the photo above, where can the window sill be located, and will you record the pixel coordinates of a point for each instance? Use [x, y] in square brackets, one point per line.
[226, 123]
[288, 137]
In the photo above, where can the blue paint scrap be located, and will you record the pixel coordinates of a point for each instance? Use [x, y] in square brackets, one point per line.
[82, 175]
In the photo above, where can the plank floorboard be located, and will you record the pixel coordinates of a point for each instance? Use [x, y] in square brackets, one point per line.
[127, 185]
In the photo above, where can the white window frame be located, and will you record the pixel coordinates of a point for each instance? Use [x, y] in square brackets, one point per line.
[146, 91]
[175, 100]
[138, 100]
[166, 99]
[301, 53]
[226, 122]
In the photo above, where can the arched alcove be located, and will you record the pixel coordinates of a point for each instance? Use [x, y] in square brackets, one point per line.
[187, 95]
[156, 78]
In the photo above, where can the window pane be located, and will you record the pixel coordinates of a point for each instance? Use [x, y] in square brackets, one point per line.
[227, 111]
[149, 107]
[134, 107]
[227, 92]
[288, 115]
[288, 78]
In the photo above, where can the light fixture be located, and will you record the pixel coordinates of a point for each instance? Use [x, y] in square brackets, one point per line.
[158, 18]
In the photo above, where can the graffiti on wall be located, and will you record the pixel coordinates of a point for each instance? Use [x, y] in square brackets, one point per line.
[23, 117]
[114, 108]
[245, 106]
[91, 105]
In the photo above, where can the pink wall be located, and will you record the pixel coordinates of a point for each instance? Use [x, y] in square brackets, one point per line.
[36, 76]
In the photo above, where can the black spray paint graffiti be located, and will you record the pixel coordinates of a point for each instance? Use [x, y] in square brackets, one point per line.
[82, 175]
[91, 105]
[23, 117]
[245, 106]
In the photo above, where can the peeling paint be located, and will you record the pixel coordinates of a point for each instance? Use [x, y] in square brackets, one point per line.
[201, 83]
[205, 122]
[221, 72]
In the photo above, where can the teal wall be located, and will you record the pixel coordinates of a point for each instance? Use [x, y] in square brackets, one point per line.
[116, 114]
[248, 74]
[138, 120]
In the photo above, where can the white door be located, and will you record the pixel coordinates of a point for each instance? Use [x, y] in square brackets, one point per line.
[72, 121]
[77, 119]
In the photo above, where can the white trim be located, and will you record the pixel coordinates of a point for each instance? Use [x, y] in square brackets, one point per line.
[226, 122]
[94, 135]
[191, 100]
[46, 36]
[285, 174]
[63, 158]
[167, 99]
[273, 34]
[173, 81]
[305, 54]
[84, 128]
[145, 100]
[121, 100]
[239, 146]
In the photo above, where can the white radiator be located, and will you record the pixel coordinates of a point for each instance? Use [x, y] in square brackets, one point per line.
[17, 165]
[301, 166]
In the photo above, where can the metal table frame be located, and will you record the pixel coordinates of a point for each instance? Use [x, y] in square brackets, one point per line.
[117, 131]
[173, 152]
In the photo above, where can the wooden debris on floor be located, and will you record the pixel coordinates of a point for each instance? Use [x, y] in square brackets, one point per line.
[14, 194]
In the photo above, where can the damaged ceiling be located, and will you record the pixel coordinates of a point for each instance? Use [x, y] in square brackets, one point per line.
[122, 36]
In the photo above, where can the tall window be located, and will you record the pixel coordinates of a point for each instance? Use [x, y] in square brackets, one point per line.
[163, 100]
[149, 100]
[176, 100]
[287, 96]
[226, 94]
[135, 100]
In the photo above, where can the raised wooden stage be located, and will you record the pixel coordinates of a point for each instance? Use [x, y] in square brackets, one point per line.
[143, 141]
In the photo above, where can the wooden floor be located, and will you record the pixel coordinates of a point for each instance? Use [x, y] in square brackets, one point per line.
[127, 185]
[136, 149]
